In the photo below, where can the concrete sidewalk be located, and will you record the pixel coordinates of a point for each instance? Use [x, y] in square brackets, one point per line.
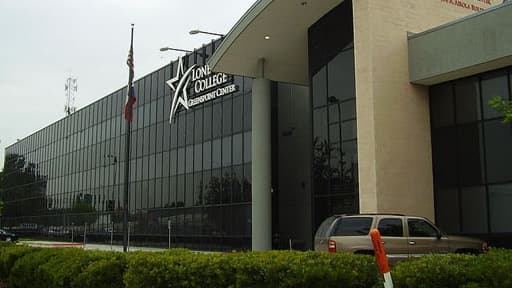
[87, 246]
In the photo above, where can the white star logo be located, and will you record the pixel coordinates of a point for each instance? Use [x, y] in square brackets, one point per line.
[183, 79]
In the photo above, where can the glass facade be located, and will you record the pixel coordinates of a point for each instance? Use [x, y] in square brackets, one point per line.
[194, 172]
[472, 157]
[332, 78]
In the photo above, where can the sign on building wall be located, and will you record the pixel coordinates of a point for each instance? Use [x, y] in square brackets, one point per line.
[473, 5]
[204, 84]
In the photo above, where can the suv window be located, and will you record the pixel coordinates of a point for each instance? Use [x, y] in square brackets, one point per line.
[421, 228]
[391, 227]
[324, 227]
[352, 226]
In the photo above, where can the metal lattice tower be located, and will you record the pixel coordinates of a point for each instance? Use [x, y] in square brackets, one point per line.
[71, 88]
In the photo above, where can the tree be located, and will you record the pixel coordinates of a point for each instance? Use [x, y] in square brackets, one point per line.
[502, 106]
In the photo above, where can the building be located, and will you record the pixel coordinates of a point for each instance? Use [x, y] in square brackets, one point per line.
[340, 107]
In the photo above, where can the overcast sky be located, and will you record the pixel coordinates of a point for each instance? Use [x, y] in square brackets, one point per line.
[45, 42]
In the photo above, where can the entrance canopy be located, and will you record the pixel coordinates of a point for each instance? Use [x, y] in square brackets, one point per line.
[275, 30]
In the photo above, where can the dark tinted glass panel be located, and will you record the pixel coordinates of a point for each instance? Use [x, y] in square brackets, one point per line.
[247, 117]
[226, 151]
[441, 105]
[237, 114]
[189, 160]
[237, 149]
[198, 130]
[217, 120]
[444, 152]
[341, 76]
[467, 99]
[227, 116]
[391, 227]
[498, 143]
[207, 155]
[207, 133]
[319, 84]
[500, 197]
[190, 128]
[494, 85]
[198, 157]
[471, 154]
[189, 194]
[352, 226]
[421, 228]
[216, 153]
[320, 124]
[474, 209]
[447, 209]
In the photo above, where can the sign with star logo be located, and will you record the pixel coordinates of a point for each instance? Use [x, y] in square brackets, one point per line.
[206, 86]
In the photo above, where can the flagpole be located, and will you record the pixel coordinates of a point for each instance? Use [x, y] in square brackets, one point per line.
[127, 162]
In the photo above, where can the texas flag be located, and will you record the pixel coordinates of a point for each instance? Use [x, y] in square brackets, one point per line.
[130, 96]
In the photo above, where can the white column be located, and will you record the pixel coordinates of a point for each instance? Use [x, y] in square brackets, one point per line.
[261, 163]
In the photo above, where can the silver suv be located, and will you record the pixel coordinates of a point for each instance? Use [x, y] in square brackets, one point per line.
[403, 236]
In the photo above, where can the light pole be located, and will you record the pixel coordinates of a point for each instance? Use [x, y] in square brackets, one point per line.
[114, 163]
[163, 49]
[196, 31]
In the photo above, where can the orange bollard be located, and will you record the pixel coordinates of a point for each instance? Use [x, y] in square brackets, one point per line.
[382, 259]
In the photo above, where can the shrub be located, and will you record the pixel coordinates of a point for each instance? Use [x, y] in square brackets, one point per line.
[106, 271]
[263, 269]
[491, 269]
[9, 254]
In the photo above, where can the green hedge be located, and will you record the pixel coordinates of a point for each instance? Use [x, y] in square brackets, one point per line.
[492, 269]
[265, 269]
[22, 266]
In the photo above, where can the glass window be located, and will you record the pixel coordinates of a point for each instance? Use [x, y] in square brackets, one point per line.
[348, 130]
[320, 124]
[421, 228]
[207, 155]
[352, 226]
[207, 122]
[500, 197]
[237, 114]
[180, 191]
[441, 105]
[444, 156]
[189, 192]
[226, 151]
[190, 127]
[216, 153]
[226, 117]
[181, 129]
[498, 143]
[471, 154]
[341, 76]
[198, 130]
[319, 84]
[247, 116]
[198, 189]
[247, 147]
[467, 99]
[391, 227]
[348, 110]
[181, 160]
[447, 209]
[173, 155]
[474, 209]
[198, 157]
[494, 85]
[189, 164]
[237, 149]
[217, 120]
[153, 112]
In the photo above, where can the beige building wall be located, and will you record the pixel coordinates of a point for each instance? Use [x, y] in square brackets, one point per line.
[394, 147]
